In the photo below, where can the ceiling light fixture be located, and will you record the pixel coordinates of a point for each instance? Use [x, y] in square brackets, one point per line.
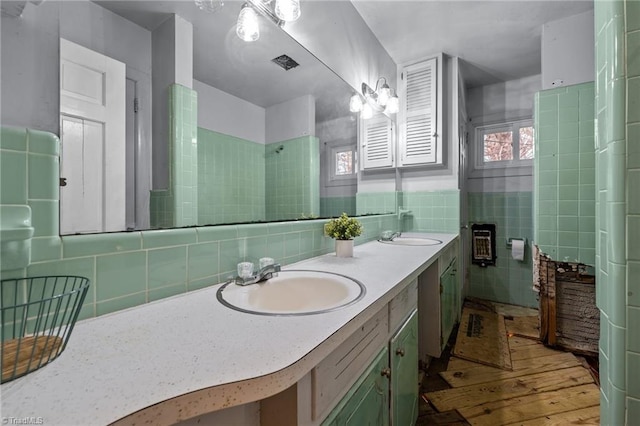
[209, 6]
[288, 10]
[283, 11]
[247, 27]
[381, 99]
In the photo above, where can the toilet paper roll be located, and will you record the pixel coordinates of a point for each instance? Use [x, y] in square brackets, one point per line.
[517, 249]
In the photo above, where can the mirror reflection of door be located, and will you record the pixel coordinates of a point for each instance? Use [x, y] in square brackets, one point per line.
[92, 119]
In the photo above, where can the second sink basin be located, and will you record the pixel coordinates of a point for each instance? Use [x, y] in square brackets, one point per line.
[293, 292]
[412, 241]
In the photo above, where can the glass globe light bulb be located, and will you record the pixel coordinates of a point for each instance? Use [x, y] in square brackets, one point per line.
[247, 27]
[287, 10]
[355, 103]
[209, 6]
[367, 111]
[384, 94]
[393, 105]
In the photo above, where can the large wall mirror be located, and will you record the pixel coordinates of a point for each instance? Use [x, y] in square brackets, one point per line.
[272, 140]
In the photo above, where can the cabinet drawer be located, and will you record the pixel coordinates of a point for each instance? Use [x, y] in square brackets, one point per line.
[402, 305]
[333, 377]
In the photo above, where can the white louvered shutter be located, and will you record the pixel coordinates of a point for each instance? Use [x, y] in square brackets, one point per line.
[377, 142]
[418, 136]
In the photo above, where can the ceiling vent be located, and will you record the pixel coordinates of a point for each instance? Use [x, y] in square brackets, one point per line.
[285, 62]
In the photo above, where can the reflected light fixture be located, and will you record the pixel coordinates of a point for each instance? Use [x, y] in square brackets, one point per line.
[367, 111]
[209, 6]
[247, 27]
[282, 11]
[381, 99]
[287, 10]
[355, 103]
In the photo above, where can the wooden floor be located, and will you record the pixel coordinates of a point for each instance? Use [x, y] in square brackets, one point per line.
[544, 386]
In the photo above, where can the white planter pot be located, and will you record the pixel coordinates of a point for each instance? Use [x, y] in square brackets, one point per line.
[344, 248]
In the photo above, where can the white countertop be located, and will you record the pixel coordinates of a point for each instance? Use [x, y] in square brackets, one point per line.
[199, 354]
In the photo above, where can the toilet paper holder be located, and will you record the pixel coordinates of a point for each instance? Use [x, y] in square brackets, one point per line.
[509, 240]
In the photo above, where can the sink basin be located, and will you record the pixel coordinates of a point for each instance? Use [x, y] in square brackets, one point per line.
[412, 241]
[293, 292]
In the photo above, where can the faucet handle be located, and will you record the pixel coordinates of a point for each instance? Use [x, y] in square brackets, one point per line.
[245, 269]
[265, 261]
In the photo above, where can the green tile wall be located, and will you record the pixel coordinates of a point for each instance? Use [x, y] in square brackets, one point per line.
[161, 209]
[292, 179]
[183, 128]
[231, 179]
[434, 211]
[130, 268]
[178, 204]
[377, 202]
[617, 29]
[32, 186]
[564, 173]
[335, 206]
[510, 281]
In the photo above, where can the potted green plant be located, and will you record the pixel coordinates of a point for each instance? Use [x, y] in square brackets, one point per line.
[343, 229]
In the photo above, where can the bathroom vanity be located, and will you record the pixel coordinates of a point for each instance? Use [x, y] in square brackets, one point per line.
[190, 357]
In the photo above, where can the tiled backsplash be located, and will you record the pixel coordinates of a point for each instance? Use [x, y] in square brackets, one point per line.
[510, 281]
[377, 202]
[435, 211]
[564, 178]
[429, 211]
[130, 268]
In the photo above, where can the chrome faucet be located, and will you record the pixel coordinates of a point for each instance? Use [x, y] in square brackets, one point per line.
[386, 236]
[262, 275]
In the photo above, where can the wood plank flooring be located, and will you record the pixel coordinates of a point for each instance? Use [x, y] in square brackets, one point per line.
[546, 386]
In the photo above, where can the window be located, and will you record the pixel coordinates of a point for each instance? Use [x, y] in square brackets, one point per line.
[342, 164]
[505, 145]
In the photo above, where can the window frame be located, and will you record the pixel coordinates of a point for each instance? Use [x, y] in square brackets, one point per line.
[513, 126]
[341, 180]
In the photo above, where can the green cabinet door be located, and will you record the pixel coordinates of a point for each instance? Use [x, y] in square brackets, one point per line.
[448, 301]
[367, 403]
[404, 373]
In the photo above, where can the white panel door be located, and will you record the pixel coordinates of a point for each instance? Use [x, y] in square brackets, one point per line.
[92, 90]
[81, 164]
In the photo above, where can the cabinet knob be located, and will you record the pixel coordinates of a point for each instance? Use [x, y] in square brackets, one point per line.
[386, 372]
[400, 351]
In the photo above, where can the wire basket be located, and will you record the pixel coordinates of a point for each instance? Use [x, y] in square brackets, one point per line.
[37, 315]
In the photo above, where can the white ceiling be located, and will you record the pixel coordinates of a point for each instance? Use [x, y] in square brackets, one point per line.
[498, 40]
[245, 70]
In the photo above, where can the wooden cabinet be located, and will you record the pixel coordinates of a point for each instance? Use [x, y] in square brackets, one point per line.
[439, 303]
[403, 354]
[388, 390]
[367, 403]
[377, 141]
[419, 121]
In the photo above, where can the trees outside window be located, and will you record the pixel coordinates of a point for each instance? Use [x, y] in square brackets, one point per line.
[505, 144]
